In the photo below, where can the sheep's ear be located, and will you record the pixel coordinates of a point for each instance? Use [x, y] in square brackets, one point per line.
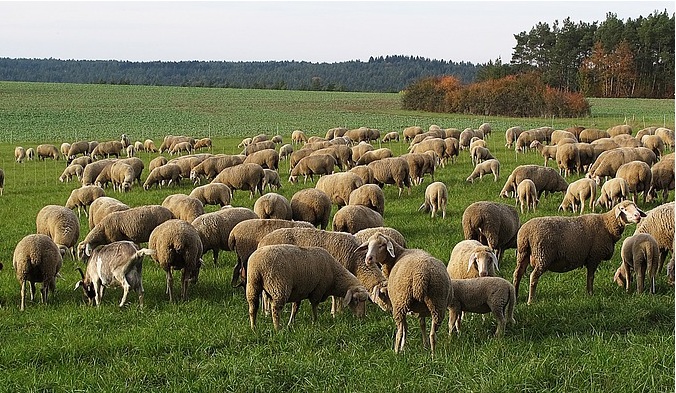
[472, 260]
[618, 210]
[495, 261]
[348, 298]
[390, 248]
[641, 212]
[88, 249]
[77, 285]
[363, 246]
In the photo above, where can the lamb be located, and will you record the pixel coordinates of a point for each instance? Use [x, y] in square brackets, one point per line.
[212, 166]
[133, 224]
[391, 136]
[369, 195]
[37, 258]
[212, 194]
[130, 151]
[245, 142]
[527, 194]
[156, 162]
[177, 246]
[374, 155]
[70, 172]
[578, 192]
[418, 283]
[30, 154]
[214, 228]
[271, 180]
[322, 164]
[204, 143]
[354, 218]
[396, 236]
[638, 177]
[436, 199]
[184, 207]
[125, 140]
[545, 179]
[289, 274]
[181, 147]
[640, 254]
[285, 151]
[273, 205]
[493, 224]
[659, 223]
[482, 295]
[244, 238]
[138, 146]
[561, 244]
[662, 179]
[266, 158]
[19, 154]
[484, 168]
[612, 192]
[339, 186]
[83, 197]
[101, 207]
[149, 146]
[168, 173]
[60, 224]
[115, 264]
[242, 177]
[471, 259]
[392, 170]
[311, 205]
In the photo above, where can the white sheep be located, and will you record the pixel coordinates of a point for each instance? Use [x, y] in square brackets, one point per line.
[246, 177]
[392, 170]
[471, 259]
[561, 244]
[484, 168]
[19, 154]
[641, 255]
[353, 218]
[369, 195]
[612, 192]
[271, 180]
[339, 186]
[493, 224]
[83, 197]
[638, 176]
[310, 166]
[60, 224]
[662, 178]
[214, 228]
[212, 194]
[70, 172]
[311, 205]
[436, 199]
[37, 259]
[273, 205]
[659, 223]
[482, 295]
[578, 193]
[527, 195]
[183, 207]
[101, 207]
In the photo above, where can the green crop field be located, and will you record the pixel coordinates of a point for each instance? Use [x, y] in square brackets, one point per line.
[566, 341]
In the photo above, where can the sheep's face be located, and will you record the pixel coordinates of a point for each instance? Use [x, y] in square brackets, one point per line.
[482, 261]
[380, 297]
[628, 212]
[356, 299]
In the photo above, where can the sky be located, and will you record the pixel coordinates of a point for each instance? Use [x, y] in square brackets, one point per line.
[313, 31]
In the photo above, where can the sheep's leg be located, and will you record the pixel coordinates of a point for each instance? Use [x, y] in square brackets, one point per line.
[294, 311]
[436, 319]
[170, 283]
[591, 270]
[43, 292]
[125, 289]
[400, 337]
[32, 290]
[215, 252]
[534, 277]
[640, 278]
[520, 269]
[423, 331]
[98, 293]
[253, 300]
[140, 295]
[500, 316]
[185, 282]
[23, 295]
[276, 308]
[453, 321]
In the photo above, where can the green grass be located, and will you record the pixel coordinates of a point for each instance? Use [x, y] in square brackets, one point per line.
[565, 342]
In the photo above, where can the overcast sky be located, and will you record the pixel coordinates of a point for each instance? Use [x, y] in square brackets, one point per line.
[324, 31]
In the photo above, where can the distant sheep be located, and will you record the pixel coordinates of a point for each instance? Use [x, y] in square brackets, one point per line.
[19, 154]
[47, 151]
[527, 195]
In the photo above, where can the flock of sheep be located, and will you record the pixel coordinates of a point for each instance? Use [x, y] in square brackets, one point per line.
[285, 253]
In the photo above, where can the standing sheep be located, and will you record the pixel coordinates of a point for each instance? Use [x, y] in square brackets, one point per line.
[638, 177]
[353, 218]
[212, 194]
[166, 174]
[273, 205]
[527, 194]
[70, 171]
[266, 158]
[640, 254]
[484, 168]
[391, 136]
[662, 178]
[36, 259]
[214, 228]
[562, 244]
[436, 198]
[659, 223]
[83, 197]
[311, 205]
[30, 154]
[285, 151]
[392, 170]
[271, 180]
[321, 164]
[339, 186]
[546, 179]
[101, 207]
[568, 159]
[482, 295]
[246, 177]
[149, 146]
[612, 192]
[156, 162]
[183, 207]
[577, 193]
[60, 224]
[369, 195]
[47, 151]
[493, 224]
[19, 154]
[298, 137]
[471, 259]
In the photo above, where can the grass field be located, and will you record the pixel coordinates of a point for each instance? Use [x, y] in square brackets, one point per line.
[565, 342]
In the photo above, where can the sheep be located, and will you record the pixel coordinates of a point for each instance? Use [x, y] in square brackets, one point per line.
[471, 259]
[124, 140]
[70, 171]
[640, 254]
[369, 195]
[122, 176]
[339, 186]
[482, 295]
[137, 165]
[342, 154]
[353, 218]
[527, 195]
[47, 151]
[170, 142]
[465, 138]
[60, 224]
[181, 147]
[452, 150]
[83, 197]
[638, 177]
[667, 136]
[296, 156]
[245, 142]
[619, 130]
[266, 158]
[156, 163]
[568, 158]
[493, 224]
[214, 228]
[410, 132]
[589, 135]
[204, 143]
[391, 136]
[662, 179]
[417, 283]
[561, 244]
[396, 236]
[526, 138]
[19, 154]
[242, 177]
[365, 173]
[92, 171]
[392, 170]
[149, 146]
[480, 154]
[654, 143]
[37, 258]
[545, 179]
[547, 152]
[670, 272]
[374, 155]
[65, 146]
[184, 207]
[138, 146]
[212, 194]
[511, 135]
[612, 192]
[560, 137]
[177, 246]
[322, 164]
[436, 199]
[271, 180]
[289, 274]
[188, 163]
[285, 151]
[437, 145]
[101, 207]
[254, 147]
[311, 205]
[212, 166]
[359, 150]
[168, 173]
[336, 132]
[30, 154]
[133, 224]
[659, 223]
[244, 238]
[419, 164]
[609, 161]
[115, 264]
[107, 149]
[578, 192]
[130, 151]
[260, 138]
[484, 168]
[273, 205]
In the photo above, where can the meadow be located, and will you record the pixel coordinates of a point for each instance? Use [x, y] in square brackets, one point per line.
[566, 341]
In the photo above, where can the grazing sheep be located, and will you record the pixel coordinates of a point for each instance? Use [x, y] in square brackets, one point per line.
[577, 193]
[245, 142]
[562, 244]
[322, 164]
[339, 186]
[83, 197]
[212, 194]
[545, 179]
[420, 164]
[137, 165]
[101, 207]
[493, 224]
[60, 224]
[436, 198]
[396, 236]
[82, 161]
[242, 177]
[149, 146]
[654, 143]
[266, 158]
[124, 139]
[659, 223]
[168, 173]
[342, 154]
[527, 194]
[254, 147]
[547, 152]
[436, 145]
[667, 136]
[285, 151]
[391, 136]
[612, 192]
[214, 228]
[138, 146]
[30, 154]
[47, 151]
[359, 150]
[392, 170]
[526, 138]
[289, 274]
[452, 150]
[589, 135]
[559, 137]
[271, 180]
[184, 207]
[204, 143]
[37, 259]
[311, 205]
[619, 129]
[115, 264]
[484, 168]
[70, 171]
[187, 163]
[662, 179]
[410, 132]
[471, 259]
[212, 166]
[273, 205]
[177, 246]
[568, 159]
[92, 171]
[260, 138]
[354, 218]
[181, 147]
[369, 195]
[511, 135]
[336, 132]
[130, 151]
[418, 283]
[122, 176]
[640, 254]
[156, 163]
[107, 149]
[374, 155]
[638, 177]
[480, 154]
[19, 154]
[608, 162]
[482, 295]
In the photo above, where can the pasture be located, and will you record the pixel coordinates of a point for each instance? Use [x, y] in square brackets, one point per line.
[566, 341]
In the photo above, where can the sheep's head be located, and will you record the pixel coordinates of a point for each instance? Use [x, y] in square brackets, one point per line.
[293, 179]
[380, 296]
[356, 298]
[482, 259]
[380, 249]
[628, 212]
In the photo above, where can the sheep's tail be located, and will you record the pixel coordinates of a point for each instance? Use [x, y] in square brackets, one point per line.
[145, 251]
[510, 305]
